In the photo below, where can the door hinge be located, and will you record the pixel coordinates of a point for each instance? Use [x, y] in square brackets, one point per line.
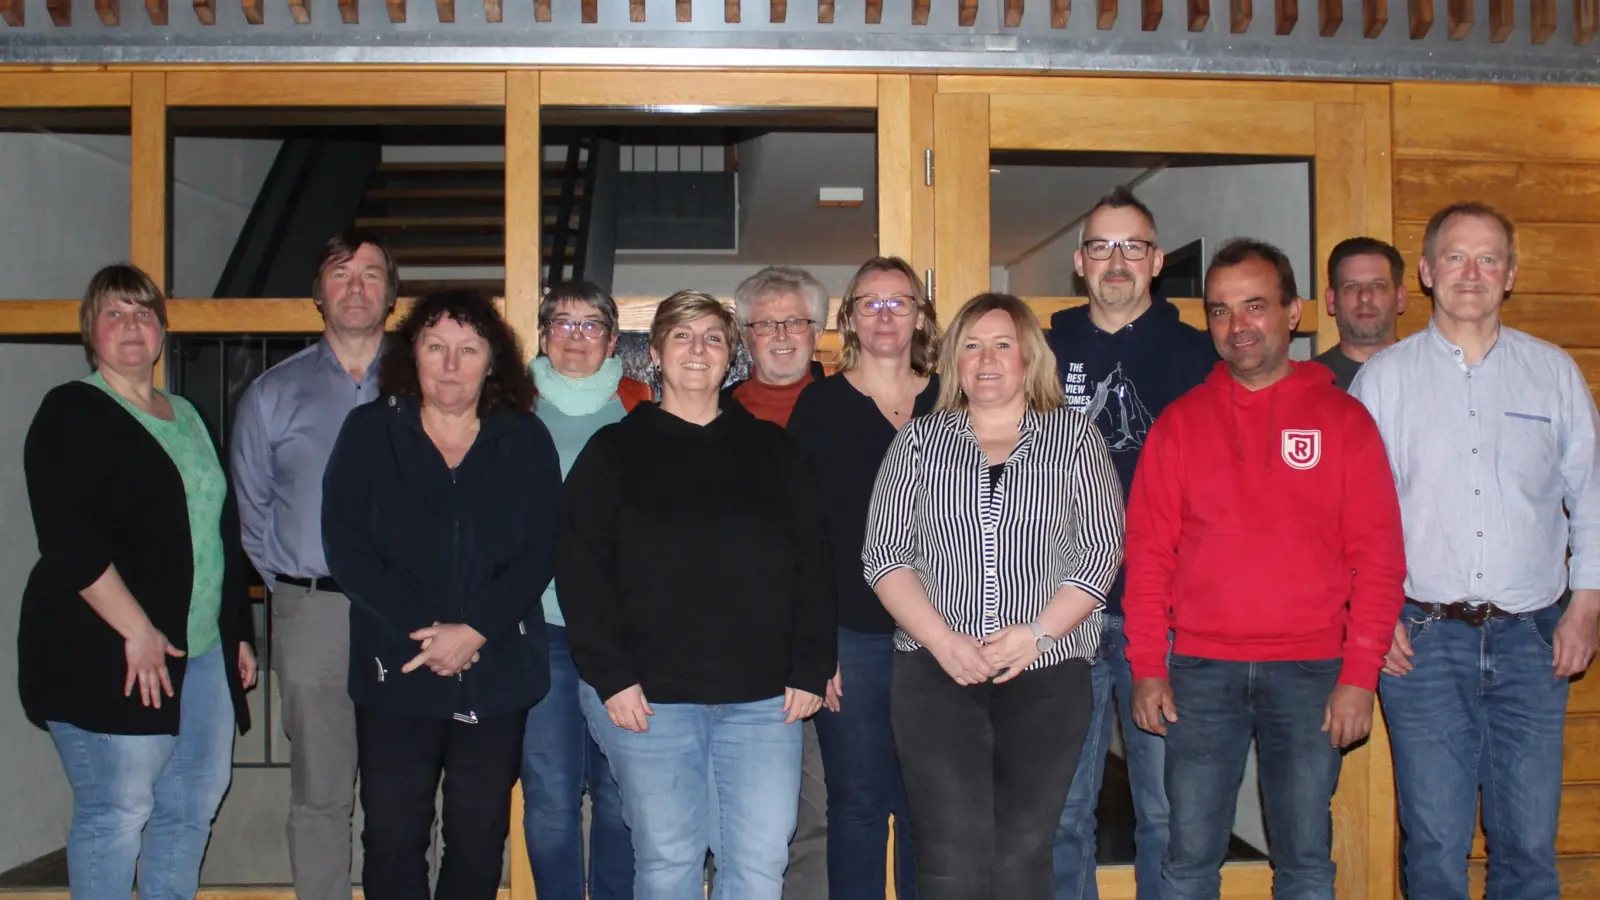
[927, 282]
[927, 166]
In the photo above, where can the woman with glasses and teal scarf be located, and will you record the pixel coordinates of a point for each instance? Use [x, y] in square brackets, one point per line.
[581, 390]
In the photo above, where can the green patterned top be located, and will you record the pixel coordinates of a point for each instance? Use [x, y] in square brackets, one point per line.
[189, 446]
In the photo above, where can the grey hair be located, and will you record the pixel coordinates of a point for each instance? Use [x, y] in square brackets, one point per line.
[777, 280]
[578, 292]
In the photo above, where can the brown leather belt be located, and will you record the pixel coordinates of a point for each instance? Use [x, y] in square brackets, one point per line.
[1474, 614]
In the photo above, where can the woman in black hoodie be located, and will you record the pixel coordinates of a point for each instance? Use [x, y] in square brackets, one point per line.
[693, 573]
[438, 518]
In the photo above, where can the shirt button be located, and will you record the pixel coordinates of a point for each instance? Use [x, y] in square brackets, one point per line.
[1476, 492]
[1480, 534]
[1480, 574]
[1474, 451]
[1472, 412]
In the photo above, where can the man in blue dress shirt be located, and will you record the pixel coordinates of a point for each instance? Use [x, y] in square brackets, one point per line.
[283, 433]
[1491, 434]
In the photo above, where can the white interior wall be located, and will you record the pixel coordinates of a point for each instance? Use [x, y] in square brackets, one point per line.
[68, 203]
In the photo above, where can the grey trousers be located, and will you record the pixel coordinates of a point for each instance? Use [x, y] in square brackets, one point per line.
[310, 661]
[807, 876]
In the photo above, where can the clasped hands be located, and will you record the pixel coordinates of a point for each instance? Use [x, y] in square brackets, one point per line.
[446, 649]
[999, 657]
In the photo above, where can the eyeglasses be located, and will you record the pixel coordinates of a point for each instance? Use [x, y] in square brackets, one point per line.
[870, 305]
[1131, 250]
[591, 329]
[767, 327]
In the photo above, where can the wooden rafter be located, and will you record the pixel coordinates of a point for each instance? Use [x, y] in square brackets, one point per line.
[1105, 14]
[541, 10]
[1288, 15]
[1420, 12]
[824, 12]
[110, 11]
[685, 11]
[1149, 15]
[919, 12]
[778, 15]
[1330, 15]
[494, 11]
[1462, 15]
[730, 11]
[397, 10]
[589, 12]
[1374, 17]
[1060, 11]
[300, 12]
[252, 11]
[60, 11]
[1199, 14]
[967, 13]
[12, 12]
[1013, 12]
[874, 12]
[446, 10]
[205, 11]
[1502, 18]
[1585, 21]
[1240, 12]
[1542, 19]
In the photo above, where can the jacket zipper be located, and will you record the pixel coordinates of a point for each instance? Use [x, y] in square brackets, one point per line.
[381, 670]
[470, 717]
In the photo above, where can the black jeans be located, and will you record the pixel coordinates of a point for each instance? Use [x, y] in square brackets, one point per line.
[987, 769]
[401, 761]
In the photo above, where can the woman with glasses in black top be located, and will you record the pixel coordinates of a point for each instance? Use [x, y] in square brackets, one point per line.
[846, 423]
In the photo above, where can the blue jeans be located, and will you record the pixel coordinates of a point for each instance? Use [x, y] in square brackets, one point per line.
[740, 757]
[1221, 705]
[560, 760]
[1480, 709]
[147, 801]
[863, 776]
[1146, 756]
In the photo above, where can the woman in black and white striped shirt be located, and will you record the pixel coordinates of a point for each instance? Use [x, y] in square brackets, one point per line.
[994, 533]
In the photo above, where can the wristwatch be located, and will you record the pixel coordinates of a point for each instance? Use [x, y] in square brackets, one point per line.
[1040, 639]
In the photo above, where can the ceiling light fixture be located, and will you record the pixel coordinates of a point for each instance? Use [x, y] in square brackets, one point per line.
[836, 197]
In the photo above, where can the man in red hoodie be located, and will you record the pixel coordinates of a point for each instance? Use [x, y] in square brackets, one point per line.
[1264, 529]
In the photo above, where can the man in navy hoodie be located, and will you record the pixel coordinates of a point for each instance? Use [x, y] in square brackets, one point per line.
[1122, 359]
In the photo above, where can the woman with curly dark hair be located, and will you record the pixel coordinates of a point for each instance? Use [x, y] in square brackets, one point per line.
[438, 518]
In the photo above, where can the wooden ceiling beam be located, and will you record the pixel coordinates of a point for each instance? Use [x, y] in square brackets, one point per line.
[1542, 19]
[1149, 15]
[1240, 12]
[205, 12]
[300, 11]
[874, 12]
[1502, 19]
[1420, 12]
[60, 12]
[397, 11]
[684, 11]
[493, 11]
[1461, 18]
[1374, 17]
[1287, 15]
[824, 12]
[541, 10]
[1105, 14]
[1585, 21]
[13, 13]
[446, 10]
[919, 12]
[1013, 12]
[1330, 15]
[589, 12]
[967, 13]
[110, 12]
[252, 11]
[778, 15]
[1199, 14]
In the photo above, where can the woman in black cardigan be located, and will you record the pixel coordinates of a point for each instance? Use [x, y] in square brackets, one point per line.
[438, 517]
[134, 648]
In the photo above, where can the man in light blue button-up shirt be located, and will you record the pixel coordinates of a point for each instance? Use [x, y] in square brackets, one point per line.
[1491, 433]
[283, 434]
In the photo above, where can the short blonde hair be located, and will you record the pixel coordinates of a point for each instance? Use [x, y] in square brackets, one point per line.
[1040, 384]
[924, 340]
[687, 306]
[120, 281]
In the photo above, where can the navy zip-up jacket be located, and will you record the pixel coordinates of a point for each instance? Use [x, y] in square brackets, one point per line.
[413, 542]
[1123, 380]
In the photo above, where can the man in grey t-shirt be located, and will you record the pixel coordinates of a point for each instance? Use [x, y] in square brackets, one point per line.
[1366, 293]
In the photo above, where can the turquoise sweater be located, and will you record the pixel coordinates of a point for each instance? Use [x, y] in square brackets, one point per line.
[571, 433]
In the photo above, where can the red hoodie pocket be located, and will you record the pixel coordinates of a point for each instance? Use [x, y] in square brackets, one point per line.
[1259, 587]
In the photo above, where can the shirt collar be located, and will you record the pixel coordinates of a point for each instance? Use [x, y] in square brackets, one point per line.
[326, 356]
[1456, 353]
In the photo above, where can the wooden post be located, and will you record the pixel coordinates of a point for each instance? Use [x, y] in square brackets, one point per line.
[149, 167]
[961, 200]
[524, 259]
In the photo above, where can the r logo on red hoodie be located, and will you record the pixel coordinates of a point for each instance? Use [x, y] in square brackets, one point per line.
[1263, 526]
